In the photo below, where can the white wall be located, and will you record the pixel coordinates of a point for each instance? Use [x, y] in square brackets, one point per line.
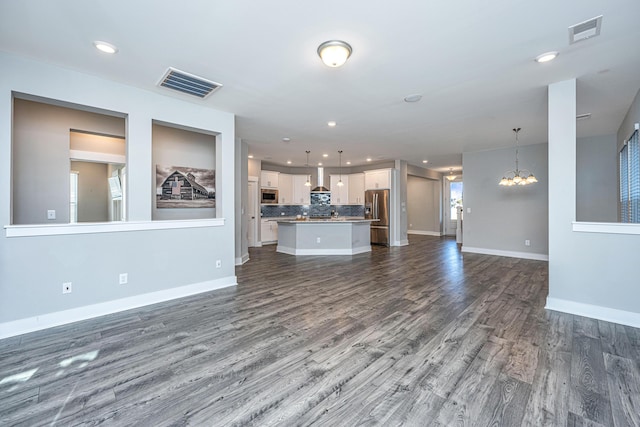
[591, 274]
[31, 297]
[502, 218]
[597, 179]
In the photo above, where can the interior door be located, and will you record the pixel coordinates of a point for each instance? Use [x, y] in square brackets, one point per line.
[252, 213]
[453, 201]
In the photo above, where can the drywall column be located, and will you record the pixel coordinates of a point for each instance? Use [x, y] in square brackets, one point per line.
[562, 181]
[400, 189]
[139, 167]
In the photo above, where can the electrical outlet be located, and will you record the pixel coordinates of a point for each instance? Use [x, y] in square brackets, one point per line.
[527, 242]
[317, 240]
[66, 288]
[124, 278]
[51, 214]
[218, 263]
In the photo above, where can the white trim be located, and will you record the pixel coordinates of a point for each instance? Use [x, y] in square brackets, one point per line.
[270, 242]
[93, 156]
[606, 227]
[49, 320]
[106, 227]
[594, 311]
[294, 251]
[241, 260]
[404, 242]
[425, 233]
[512, 254]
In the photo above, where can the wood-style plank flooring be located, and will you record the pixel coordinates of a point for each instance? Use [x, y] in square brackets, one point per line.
[418, 336]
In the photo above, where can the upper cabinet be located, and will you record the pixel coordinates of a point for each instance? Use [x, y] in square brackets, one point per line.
[269, 179]
[356, 189]
[375, 179]
[285, 189]
[301, 192]
[339, 194]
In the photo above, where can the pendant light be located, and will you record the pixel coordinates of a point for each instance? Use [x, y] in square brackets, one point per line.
[308, 183]
[517, 176]
[340, 183]
[451, 176]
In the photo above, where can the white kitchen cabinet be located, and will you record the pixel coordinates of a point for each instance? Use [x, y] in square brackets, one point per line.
[356, 189]
[301, 192]
[339, 194]
[269, 179]
[375, 179]
[268, 231]
[285, 189]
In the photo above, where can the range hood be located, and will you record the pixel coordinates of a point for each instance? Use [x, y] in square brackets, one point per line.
[320, 188]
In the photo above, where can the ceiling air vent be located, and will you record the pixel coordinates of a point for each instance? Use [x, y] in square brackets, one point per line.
[188, 83]
[585, 30]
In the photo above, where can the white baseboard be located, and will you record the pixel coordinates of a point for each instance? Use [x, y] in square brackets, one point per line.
[511, 254]
[49, 320]
[241, 260]
[294, 251]
[614, 315]
[425, 233]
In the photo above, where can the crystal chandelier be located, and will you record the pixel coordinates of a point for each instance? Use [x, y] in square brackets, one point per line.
[517, 176]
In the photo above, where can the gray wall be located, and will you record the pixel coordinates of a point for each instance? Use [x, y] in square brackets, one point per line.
[93, 262]
[93, 191]
[423, 204]
[590, 273]
[179, 147]
[597, 179]
[41, 136]
[502, 218]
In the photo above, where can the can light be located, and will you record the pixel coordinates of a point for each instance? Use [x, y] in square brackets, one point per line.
[546, 57]
[105, 47]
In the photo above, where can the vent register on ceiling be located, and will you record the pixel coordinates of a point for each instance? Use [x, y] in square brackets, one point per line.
[188, 83]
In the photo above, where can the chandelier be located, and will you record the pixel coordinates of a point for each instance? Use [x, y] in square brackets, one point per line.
[517, 176]
[451, 176]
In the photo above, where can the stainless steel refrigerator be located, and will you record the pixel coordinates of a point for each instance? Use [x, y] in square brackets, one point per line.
[376, 206]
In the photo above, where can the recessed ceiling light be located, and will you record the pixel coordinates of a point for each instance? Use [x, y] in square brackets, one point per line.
[288, 162]
[286, 139]
[368, 159]
[348, 163]
[425, 161]
[319, 163]
[325, 155]
[546, 57]
[413, 98]
[250, 156]
[331, 123]
[105, 47]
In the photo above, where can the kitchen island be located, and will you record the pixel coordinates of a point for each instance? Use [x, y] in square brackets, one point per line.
[324, 236]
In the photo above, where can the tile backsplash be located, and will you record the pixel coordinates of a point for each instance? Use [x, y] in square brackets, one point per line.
[271, 211]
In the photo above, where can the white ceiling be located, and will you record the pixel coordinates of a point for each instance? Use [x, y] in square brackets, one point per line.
[471, 60]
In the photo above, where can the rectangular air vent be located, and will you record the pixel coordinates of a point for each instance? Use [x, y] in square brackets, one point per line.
[585, 30]
[188, 83]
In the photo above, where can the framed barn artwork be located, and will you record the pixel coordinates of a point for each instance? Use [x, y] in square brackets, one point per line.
[185, 187]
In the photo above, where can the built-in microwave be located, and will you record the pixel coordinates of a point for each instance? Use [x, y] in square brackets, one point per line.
[269, 195]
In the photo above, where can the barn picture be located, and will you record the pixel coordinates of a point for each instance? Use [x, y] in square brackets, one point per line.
[184, 187]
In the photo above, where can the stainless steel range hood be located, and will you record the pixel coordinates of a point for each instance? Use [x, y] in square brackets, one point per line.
[320, 188]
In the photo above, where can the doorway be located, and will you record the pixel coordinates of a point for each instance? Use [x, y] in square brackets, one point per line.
[252, 213]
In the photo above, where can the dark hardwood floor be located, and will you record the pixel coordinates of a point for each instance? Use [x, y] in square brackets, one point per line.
[419, 336]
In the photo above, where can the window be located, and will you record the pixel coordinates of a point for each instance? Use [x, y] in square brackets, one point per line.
[455, 199]
[630, 181]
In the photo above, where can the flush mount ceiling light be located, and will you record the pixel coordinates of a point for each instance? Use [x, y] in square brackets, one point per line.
[340, 183]
[288, 162]
[547, 56]
[451, 176]
[369, 159]
[334, 53]
[413, 98]
[308, 183]
[105, 47]
[250, 156]
[517, 176]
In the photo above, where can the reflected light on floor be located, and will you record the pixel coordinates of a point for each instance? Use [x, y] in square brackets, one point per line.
[16, 379]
